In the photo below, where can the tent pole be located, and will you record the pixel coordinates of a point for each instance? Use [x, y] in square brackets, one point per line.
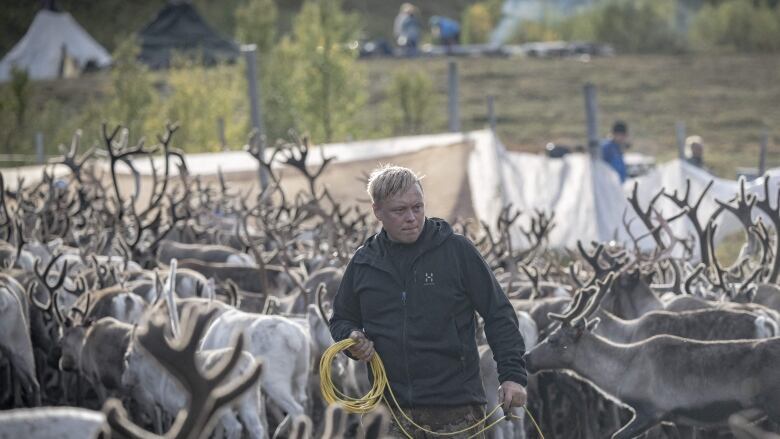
[680, 131]
[39, 156]
[762, 153]
[592, 113]
[250, 51]
[491, 109]
[453, 112]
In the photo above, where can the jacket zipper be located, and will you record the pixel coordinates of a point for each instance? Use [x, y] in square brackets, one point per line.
[406, 356]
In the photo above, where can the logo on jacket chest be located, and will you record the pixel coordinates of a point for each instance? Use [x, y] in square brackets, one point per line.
[428, 279]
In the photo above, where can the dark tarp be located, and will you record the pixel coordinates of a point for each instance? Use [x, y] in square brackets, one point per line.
[179, 28]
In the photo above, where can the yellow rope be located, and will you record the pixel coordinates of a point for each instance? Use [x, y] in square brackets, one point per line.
[375, 395]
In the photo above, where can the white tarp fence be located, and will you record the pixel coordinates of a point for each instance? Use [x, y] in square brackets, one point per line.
[586, 194]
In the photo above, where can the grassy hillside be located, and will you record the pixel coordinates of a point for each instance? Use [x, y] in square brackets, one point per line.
[730, 100]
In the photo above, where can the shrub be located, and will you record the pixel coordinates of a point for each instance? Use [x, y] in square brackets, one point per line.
[197, 107]
[409, 102]
[737, 24]
[256, 23]
[630, 26]
[327, 83]
[132, 94]
[477, 24]
[278, 89]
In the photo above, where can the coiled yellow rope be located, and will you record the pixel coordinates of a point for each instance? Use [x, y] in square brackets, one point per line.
[375, 395]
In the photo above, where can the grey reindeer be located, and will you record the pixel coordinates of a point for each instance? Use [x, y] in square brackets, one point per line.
[663, 379]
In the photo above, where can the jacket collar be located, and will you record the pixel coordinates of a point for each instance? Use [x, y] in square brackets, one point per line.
[375, 250]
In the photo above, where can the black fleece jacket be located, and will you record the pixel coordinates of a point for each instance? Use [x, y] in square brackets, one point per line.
[422, 321]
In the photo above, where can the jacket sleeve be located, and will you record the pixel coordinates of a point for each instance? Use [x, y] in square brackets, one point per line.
[611, 154]
[346, 308]
[501, 326]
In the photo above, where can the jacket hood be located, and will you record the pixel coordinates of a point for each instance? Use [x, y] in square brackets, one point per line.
[435, 232]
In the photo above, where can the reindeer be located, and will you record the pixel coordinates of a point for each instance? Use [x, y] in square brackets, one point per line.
[702, 324]
[60, 422]
[208, 395]
[664, 378]
[15, 343]
[96, 350]
[150, 385]
[515, 427]
[168, 250]
[285, 378]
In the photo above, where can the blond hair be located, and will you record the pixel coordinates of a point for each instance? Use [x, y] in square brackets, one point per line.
[388, 180]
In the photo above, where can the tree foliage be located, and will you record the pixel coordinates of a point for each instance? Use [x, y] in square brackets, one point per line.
[132, 94]
[630, 26]
[327, 82]
[256, 24]
[745, 25]
[409, 102]
[477, 24]
[198, 109]
[14, 100]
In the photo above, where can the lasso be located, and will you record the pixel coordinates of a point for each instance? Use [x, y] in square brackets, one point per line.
[375, 395]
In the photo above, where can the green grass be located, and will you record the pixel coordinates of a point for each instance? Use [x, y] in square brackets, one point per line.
[730, 100]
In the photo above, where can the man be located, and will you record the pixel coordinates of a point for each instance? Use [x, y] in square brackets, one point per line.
[407, 28]
[694, 151]
[612, 148]
[409, 294]
[445, 30]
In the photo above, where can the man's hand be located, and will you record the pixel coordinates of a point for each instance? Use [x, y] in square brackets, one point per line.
[511, 394]
[363, 348]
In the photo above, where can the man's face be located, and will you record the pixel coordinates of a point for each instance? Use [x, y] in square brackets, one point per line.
[402, 215]
[697, 150]
[620, 138]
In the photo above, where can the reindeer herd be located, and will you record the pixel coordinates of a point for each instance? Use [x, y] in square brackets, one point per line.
[196, 310]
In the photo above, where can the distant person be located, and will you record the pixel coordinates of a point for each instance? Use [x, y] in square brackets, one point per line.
[613, 147]
[445, 31]
[556, 151]
[694, 151]
[407, 28]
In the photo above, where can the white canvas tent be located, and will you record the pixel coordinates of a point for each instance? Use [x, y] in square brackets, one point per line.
[53, 41]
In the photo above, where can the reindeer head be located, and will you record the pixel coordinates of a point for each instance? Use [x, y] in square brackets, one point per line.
[73, 331]
[560, 348]
[71, 343]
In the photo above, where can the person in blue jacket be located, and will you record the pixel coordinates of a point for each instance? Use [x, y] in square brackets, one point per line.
[613, 147]
[445, 30]
[410, 294]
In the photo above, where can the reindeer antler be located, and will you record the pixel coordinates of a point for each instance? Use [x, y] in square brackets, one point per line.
[644, 215]
[297, 153]
[578, 304]
[69, 158]
[692, 212]
[773, 213]
[208, 394]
